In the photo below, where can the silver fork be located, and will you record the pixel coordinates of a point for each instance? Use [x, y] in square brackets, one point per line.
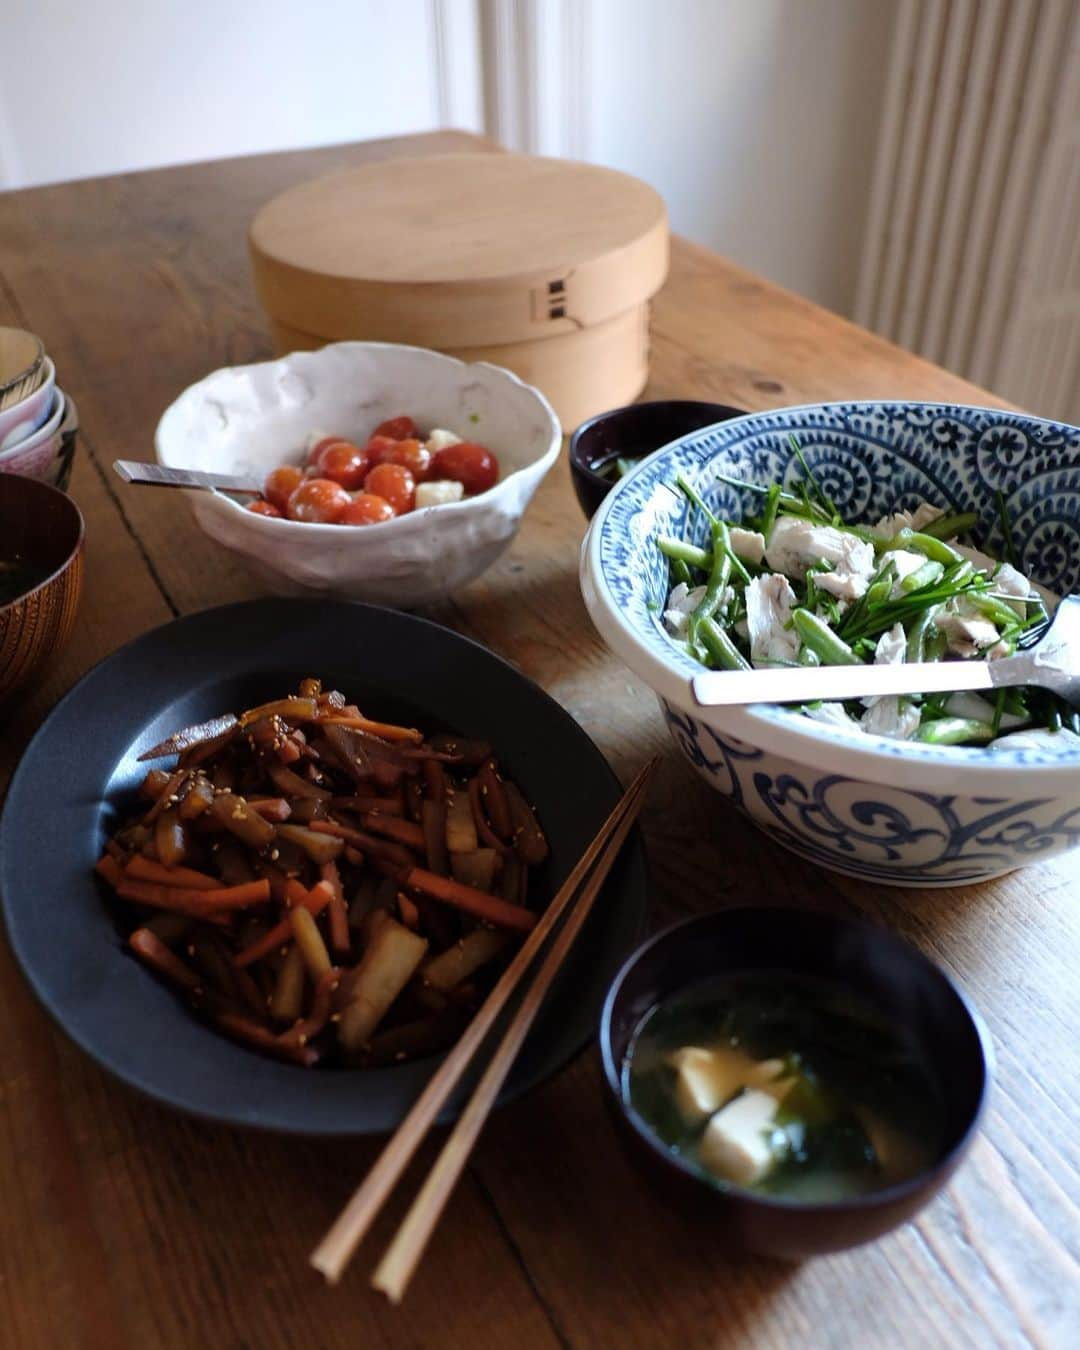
[1052, 663]
[156, 475]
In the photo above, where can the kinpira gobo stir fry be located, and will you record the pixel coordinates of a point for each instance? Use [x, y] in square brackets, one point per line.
[798, 585]
[324, 887]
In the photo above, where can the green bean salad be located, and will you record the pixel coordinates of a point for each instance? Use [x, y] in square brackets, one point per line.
[797, 585]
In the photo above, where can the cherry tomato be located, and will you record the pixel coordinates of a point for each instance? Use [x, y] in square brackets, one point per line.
[397, 428]
[379, 448]
[471, 465]
[281, 484]
[395, 483]
[318, 501]
[319, 446]
[263, 508]
[344, 463]
[366, 509]
[414, 455]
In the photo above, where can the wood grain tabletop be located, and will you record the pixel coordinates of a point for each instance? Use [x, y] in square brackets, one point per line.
[122, 1225]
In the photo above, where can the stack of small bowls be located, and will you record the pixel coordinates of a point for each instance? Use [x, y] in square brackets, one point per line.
[38, 421]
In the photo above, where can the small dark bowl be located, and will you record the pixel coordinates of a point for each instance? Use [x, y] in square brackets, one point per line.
[890, 974]
[633, 432]
[43, 527]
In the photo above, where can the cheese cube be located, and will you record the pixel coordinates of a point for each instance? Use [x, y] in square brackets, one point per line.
[438, 493]
[440, 439]
[737, 1142]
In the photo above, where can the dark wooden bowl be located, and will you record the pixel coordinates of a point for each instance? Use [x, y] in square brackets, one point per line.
[42, 526]
[632, 432]
[890, 974]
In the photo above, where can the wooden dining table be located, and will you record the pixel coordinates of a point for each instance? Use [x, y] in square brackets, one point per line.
[124, 1225]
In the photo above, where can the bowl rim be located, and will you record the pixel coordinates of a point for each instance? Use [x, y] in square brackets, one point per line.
[47, 383]
[902, 764]
[852, 1204]
[26, 371]
[72, 552]
[582, 466]
[401, 524]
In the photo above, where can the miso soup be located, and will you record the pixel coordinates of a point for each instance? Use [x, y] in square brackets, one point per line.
[786, 1086]
[17, 577]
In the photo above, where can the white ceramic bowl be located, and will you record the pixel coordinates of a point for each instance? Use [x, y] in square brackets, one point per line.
[249, 419]
[22, 419]
[892, 812]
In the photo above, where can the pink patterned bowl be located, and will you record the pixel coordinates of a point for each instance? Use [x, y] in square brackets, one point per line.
[24, 418]
[48, 454]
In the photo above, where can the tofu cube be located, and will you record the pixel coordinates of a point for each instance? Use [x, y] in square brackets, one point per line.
[768, 1076]
[737, 1143]
[704, 1081]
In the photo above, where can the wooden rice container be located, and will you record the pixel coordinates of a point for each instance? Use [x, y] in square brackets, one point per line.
[540, 265]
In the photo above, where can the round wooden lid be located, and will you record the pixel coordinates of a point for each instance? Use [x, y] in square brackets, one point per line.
[460, 250]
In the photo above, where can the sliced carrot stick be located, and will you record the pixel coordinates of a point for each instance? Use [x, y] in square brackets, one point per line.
[353, 855]
[314, 901]
[386, 730]
[480, 820]
[337, 914]
[252, 1033]
[404, 831]
[495, 803]
[150, 949]
[109, 870]
[159, 897]
[388, 805]
[472, 901]
[367, 843]
[180, 878]
[192, 901]
[271, 808]
[235, 897]
[410, 915]
[435, 779]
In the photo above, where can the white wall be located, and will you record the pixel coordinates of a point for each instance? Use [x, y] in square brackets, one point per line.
[100, 86]
[756, 120]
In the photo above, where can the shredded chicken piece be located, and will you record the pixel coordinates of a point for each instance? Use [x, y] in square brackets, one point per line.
[681, 604]
[967, 634]
[890, 526]
[796, 544]
[832, 715]
[905, 561]
[768, 611]
[748, 544]
[893, 717]
[1014, 586]
[889, 714]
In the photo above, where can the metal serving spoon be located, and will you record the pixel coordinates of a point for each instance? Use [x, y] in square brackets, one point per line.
[1052, 663]
[156, 475]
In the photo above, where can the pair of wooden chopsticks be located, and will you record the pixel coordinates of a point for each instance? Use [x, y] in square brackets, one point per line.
[403, 1255]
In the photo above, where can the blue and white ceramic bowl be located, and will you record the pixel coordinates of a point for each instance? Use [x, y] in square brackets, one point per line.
[885, 811]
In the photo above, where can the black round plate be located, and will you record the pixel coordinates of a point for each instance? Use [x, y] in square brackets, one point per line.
[77, 778]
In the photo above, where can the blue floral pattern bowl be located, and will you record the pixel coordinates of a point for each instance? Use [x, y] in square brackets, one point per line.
[886, 811]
